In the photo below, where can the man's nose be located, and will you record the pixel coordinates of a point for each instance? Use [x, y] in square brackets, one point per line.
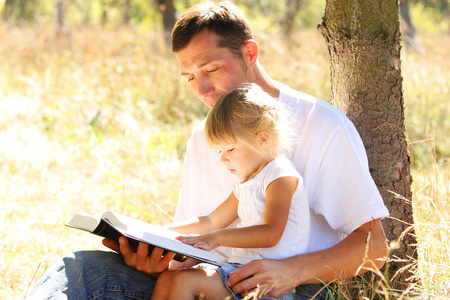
[205, 88]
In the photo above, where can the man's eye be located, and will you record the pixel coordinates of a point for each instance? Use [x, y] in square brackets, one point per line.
[211, 71]
[190, 79]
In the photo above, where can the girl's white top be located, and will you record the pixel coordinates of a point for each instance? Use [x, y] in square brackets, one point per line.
[252, 201]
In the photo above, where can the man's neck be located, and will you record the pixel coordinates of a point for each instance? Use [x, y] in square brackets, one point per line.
[265, 82]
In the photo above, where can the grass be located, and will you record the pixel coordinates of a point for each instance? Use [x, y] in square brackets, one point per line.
[98, 119]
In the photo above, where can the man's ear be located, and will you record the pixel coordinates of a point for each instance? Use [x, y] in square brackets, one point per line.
[251, 49]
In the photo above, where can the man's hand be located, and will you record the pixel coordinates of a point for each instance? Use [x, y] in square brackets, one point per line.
[266, 277]
[151, 265]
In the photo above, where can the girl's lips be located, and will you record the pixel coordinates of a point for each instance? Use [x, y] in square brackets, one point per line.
[232, 171]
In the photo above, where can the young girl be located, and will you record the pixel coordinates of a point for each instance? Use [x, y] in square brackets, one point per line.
[249, 129]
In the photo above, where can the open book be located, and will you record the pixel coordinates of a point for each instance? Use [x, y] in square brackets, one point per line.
[112, 226]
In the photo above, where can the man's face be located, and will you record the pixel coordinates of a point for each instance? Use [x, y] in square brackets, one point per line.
[210, 70]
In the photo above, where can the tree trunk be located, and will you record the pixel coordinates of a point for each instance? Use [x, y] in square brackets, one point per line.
[363, 39]
[25, 13]
[61, 15]
[293, 7]
[409, 32]
[168, 12]
[126, 11]
[8, 9]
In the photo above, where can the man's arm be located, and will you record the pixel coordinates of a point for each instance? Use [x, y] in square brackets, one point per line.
[366, 247]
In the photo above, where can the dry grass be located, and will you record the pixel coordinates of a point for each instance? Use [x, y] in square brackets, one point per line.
[98, 120]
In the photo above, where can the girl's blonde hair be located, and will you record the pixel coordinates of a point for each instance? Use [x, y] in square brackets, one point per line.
[241, 114]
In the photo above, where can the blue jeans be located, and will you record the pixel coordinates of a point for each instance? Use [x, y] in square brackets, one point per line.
[104, 275]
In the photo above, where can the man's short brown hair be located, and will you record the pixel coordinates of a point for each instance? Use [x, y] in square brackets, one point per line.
[222, 18]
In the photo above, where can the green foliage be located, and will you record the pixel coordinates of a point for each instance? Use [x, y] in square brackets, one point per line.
[441, 8]
[430, 18]
[269, 16]
[113, 12]
[273, 15]
[426, 93]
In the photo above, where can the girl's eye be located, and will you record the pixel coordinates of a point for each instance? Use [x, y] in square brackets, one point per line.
[230, 150]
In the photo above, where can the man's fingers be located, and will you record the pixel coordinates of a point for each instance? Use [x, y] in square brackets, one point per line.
[168, 258]
[239, 275]
[154, 263]
[245, 285]
[126, 252]
[111, 245]
[264, 275]
[156, 255]
[141, 257]
[163, 264]
[247, 277]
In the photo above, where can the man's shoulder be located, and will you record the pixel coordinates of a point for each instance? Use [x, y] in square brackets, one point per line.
[306, 106]
[288, 94]
[199, 130]
[295, 98]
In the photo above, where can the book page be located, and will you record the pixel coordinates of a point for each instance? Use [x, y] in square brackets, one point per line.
[84, 221]
[157, 236]
[126, 223]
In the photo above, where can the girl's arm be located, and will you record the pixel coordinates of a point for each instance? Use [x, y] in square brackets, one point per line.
[221, 217]
[278, 201]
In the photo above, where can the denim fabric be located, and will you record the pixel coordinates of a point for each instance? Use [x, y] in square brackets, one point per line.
[92, 275]
[318, 291]
[103, 275]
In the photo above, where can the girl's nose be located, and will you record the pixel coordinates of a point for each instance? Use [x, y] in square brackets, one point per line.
[223, 158]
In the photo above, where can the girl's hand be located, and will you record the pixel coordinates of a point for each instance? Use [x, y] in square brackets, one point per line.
[207, 241]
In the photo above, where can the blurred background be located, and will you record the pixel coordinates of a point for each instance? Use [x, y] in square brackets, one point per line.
[94, 116]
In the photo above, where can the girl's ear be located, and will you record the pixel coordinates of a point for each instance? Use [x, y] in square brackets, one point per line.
[263, 138]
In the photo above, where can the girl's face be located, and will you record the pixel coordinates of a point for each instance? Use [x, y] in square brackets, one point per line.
[241, 161]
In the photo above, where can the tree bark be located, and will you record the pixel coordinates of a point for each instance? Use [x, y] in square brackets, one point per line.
[363, 39]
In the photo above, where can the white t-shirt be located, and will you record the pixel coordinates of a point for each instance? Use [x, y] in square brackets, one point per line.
[252, 200]
[328, 154]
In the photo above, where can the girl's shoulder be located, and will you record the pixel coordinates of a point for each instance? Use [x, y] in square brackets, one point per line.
[279, 167]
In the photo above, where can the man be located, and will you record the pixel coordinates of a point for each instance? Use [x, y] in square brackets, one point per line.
[215, 51]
